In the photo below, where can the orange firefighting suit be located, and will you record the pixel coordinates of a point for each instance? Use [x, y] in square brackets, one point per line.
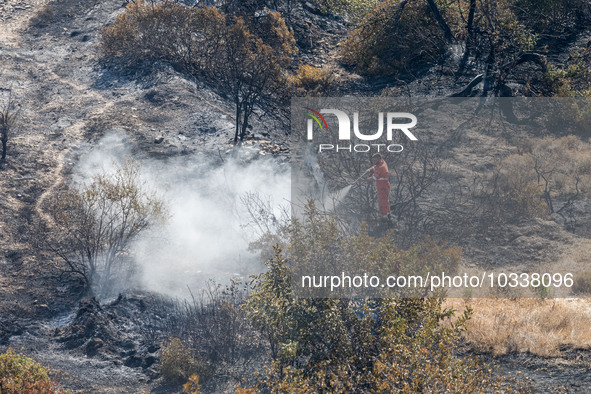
[380, 177]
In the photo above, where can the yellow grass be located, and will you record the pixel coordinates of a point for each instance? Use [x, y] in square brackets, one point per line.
[539, 326]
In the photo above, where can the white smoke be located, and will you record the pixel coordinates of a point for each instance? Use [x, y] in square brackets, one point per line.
[205, 236]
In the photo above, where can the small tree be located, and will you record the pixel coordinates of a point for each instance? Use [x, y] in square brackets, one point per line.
[94, 225]
[250, 69]
[244, 58]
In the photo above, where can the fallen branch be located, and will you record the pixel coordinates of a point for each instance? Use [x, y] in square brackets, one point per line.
[468, 89]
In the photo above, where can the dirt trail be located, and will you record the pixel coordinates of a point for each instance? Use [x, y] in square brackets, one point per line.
[46, 87]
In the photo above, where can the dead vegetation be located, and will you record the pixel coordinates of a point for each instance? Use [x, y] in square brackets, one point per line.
[93, 224]
[542, 327]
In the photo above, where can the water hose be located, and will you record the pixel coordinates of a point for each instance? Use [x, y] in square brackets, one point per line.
[358, 179]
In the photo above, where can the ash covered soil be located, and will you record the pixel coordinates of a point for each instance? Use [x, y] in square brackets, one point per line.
[66, 102]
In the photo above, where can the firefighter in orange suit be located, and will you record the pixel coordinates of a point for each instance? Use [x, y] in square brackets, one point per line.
[380, 176]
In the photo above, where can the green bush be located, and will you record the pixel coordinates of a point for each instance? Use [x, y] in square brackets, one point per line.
[571, 80]
[358, 344]
[354, 9]
[338, 345]
[21, 374]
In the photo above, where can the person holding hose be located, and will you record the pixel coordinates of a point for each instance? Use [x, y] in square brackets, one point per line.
[380, 175]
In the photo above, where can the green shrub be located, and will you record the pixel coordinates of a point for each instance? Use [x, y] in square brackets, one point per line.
[21, 374]
[354, 9]
[338, 345]
[572, 80]
[358, 344]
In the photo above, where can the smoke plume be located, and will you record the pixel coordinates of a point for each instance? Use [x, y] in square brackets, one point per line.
[206, 236]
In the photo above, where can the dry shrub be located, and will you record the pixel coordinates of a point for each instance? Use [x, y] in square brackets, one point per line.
[207, 333]
[213, 326]
[582, 283]
[169, 31]
[94, 225]
[21, 374]
[177, 363]
[192, 386]
[538, 326]
[550, 177]
[242, 57]
[513, 191]
[310, 81]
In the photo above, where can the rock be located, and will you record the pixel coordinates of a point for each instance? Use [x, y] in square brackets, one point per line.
[158, 140]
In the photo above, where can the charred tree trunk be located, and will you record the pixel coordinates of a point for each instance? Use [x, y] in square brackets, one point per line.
[244, 127]
[238, 116]
[532, 57]
[469, 38]
[490, 67]
[442, 23]
[397, 16]
[4, 140]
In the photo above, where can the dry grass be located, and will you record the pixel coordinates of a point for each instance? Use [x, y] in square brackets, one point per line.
[538, 326]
